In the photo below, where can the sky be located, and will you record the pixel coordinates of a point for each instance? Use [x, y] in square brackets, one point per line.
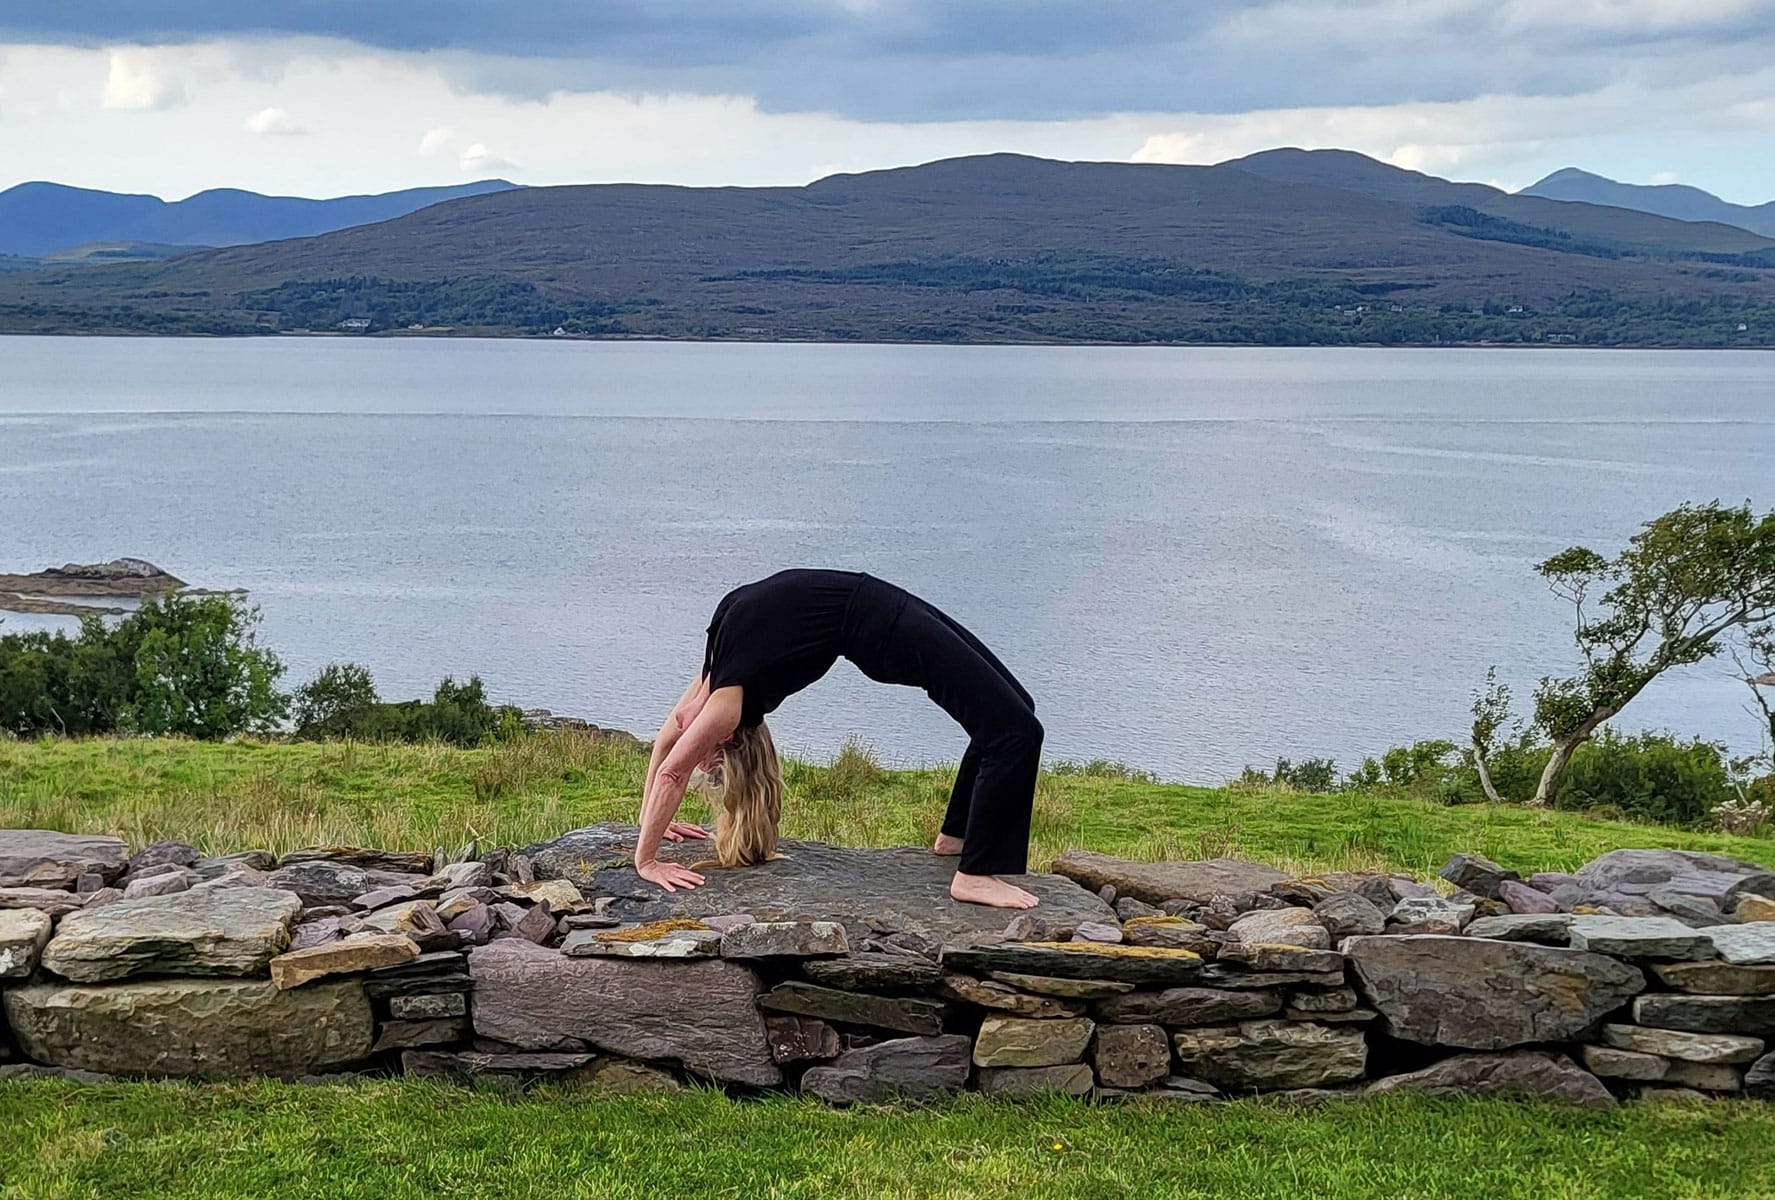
[329, 97]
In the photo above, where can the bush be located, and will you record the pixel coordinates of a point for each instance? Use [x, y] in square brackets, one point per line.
[186, 665]
[341, 702]
[328, 705]
[1309, 775]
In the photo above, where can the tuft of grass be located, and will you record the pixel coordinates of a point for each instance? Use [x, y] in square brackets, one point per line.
[279, 796]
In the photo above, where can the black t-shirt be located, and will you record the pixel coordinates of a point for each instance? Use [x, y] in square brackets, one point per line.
[777, 636]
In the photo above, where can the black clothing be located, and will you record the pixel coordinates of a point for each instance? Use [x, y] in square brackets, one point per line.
[780, 634]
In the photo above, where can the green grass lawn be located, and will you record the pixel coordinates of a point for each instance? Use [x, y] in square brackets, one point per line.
[397, 1138]
[279, 796]
[391, 1140]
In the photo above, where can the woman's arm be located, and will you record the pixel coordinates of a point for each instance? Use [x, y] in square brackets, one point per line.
[714, 724]
[682, 714]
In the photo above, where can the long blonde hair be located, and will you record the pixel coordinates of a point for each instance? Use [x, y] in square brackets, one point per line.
[748, 799]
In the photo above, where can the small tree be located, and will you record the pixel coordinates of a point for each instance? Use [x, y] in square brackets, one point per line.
[327, 705]
[1685, 580]
[196, 668]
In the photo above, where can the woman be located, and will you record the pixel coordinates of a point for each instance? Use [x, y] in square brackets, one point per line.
[770, 639]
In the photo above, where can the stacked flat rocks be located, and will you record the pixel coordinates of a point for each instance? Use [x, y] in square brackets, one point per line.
[850, 974]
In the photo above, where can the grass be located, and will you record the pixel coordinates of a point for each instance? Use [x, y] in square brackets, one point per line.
[393, 1140]
[245, 794]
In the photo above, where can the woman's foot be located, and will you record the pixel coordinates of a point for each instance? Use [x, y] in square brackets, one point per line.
[947, 846]
[990, 891]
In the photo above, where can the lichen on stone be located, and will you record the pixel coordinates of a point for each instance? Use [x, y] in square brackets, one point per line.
[1117, 951]
[654, 929]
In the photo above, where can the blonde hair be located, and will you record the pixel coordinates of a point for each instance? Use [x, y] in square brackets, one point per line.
[748, 800]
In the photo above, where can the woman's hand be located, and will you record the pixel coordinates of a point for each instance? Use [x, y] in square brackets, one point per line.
[677, 831]
[668, 875]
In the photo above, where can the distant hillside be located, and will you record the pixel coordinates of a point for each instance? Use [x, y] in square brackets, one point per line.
[42, 219]
[1667, 199]
[1289, 247]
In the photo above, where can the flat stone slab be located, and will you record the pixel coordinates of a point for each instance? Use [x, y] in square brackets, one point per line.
[702, 1013]
[363, 952]
[871, 971]
[44, 858]
[1020, 1042]
[1640, 937]
[192, 1028]
[902, 890]
[1750, 1015]
[1687, 1047]
[1270, 1055]
[1079, 960]
[1717, 978]
[688, 942]
[223, 931]
[1622, 877]
[52, 901]
[1155, 883]
[913, 1068]
[1744, 945]
[23, 934]
[903, 1014]
[785, 940]
[1523, 1073]
[1548, 929]
[1479, 994]
[1074, 1079]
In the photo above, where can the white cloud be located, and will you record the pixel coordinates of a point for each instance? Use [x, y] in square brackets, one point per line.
[135, 79]
[273, 121]
[477, 158]
[435, 140]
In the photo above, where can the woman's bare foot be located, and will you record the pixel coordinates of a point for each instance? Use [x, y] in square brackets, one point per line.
[947, 846]
[990, 891]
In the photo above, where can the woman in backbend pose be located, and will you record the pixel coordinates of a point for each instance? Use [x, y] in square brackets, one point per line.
[770, 639]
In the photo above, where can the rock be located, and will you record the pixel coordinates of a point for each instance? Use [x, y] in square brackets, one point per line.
[1079, 960]
[1405, 888]
[1262, 957]
[160, 854]
[1635, 874]
[471, 1068]
[1483, 906]
[1480, 994]
[23, 934]
[1717, 978]
[1711, 1077]
[1754, 1015]
[660, 939]
[785, 939]
[477, 924]
[1188, 1006]
[1346, 914]
[1610, 1063]
[39, 1071]
[229, 932]
[464, 875]
[161, 883]
[239, 877]
[1131, 1056]
[385, 897]
[360, 953]
[1001, 997]
[1744, 945]
[1283, 926]
[1525, 900]
[1477, 874]
[1548, 929]
[1672, 1095]
[1156, 883]
[800, 1039]
[905, 889]
[52, 901]
[1169, 933]
[415, 862]
[1272, 1054]
[594, 920]
[1107, 894]
[407, 916]
[1689, 1047]
[323, 882]
[89, 881]
[461, 902]
[872, 971]
[700, 1013]
[1332, 1000]
[1753, 908]
[256, 860]
[1546, 881]
[429, 1007]
[1430, 915]
[412, 1035]
[1070, 1080]
[621, 1077]
[1019, 1042]
[40, 858]
[1128, 909]
[1103, 932]
[1353, 1016]
[1523, 1073]
[559, 894]
[197, 1028]
[1065, 989]
[1759, 1080]
[908, 1068]
[1690, 910]
[1640, 937]
[1240, 978]
[905, 1014]
[538, 925]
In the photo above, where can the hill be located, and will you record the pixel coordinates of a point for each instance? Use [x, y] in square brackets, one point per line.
[1288, 247]
[45, 219]
[1676, 200]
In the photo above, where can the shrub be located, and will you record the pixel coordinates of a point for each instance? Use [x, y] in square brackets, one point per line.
[341, 702]
[327, 705]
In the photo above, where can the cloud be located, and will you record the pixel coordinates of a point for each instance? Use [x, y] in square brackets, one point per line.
[435, 140]
[135, 80]
[477, 159]
[273, 121]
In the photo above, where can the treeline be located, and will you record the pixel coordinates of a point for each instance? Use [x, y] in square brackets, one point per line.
[191, 666]
[398, 304]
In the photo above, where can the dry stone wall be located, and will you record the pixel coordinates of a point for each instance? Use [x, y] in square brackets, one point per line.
[850, 975]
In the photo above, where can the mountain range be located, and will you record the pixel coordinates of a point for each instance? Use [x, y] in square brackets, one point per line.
[40, 220]
[1286, 246]
[1665, 199]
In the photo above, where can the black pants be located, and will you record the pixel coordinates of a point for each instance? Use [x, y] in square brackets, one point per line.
[994, 793]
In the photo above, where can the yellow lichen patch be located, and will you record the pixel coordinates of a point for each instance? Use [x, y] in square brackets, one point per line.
[1114, 951]
[654, 929]
[1157, 923]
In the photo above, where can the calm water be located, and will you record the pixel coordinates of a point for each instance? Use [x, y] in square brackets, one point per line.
[1193, 558]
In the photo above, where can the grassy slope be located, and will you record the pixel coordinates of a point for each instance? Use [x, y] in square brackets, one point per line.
[280, 796]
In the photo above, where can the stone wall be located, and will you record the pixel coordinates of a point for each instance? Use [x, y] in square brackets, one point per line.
[850, 975]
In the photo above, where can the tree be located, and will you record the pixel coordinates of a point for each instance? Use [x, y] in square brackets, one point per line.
[1684, 582]
[328, 705]
[1491, 712]
[195, 667]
